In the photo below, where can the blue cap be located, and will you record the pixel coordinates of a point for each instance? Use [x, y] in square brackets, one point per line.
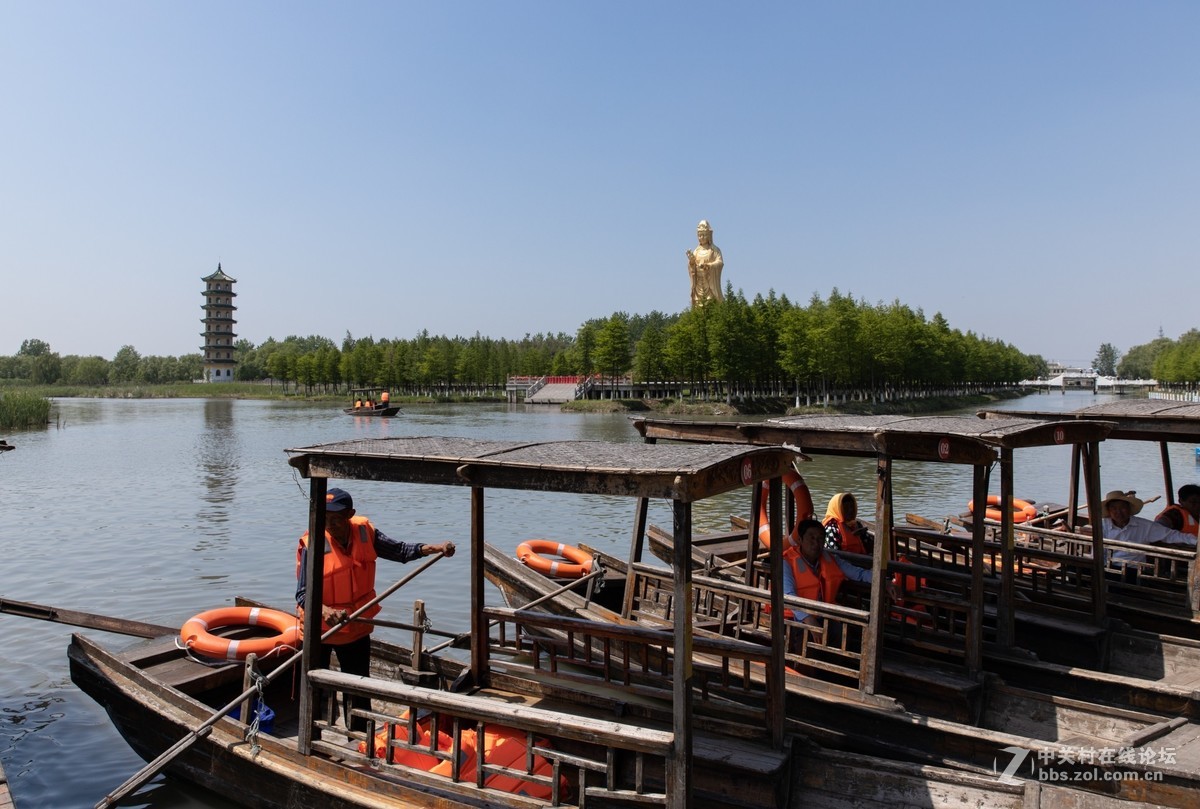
[338, 500]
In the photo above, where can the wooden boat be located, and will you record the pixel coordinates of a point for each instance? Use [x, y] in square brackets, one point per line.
[1166, 597]
[1053, 596]
[649, 736]
[620, 726]
[130, 683]
[1014, 718]
[1029, 610]
[379, 409]
[1139, 670]
[384, 411]
[1058, 577]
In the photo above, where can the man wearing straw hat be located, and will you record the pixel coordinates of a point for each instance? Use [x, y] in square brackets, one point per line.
[1120, 523]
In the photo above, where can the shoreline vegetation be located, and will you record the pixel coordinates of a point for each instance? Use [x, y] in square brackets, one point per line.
[22, 409]
[30, 406]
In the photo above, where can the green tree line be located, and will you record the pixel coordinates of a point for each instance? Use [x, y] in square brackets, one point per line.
[1170, 362]
[764, 346]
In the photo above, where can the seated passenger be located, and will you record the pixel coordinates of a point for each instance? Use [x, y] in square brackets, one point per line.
[843, 530]
[1185, 514]
[810, 571]
[1120, 523]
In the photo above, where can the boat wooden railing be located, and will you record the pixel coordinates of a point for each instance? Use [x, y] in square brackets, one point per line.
[610, 760]
[1052, 568]
[830, 647]
[932, 618]
[729, 674]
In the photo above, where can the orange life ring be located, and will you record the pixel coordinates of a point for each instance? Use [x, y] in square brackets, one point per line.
[533, 554]
[1023, 510]
[503, 747]
[196, 636]
[804, 509]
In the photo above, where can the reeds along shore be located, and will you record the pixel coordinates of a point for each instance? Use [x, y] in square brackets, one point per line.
[19, 410]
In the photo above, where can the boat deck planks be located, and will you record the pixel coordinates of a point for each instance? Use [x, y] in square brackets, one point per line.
[6, 799]
[1185, 741]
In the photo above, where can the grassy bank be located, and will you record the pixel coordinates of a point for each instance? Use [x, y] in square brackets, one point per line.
[220, 390]
[687, 407]
[21, 410]
[782, 407]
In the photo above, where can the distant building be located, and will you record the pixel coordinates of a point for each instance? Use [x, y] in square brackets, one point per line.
[220, 358]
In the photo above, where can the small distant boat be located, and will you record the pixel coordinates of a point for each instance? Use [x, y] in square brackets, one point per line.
[366, 403]
[5, 446]
[376, 410]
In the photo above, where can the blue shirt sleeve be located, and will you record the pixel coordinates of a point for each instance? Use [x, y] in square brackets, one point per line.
[394, 550]
[854, 572]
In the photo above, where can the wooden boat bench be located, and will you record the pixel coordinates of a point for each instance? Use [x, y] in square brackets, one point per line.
[164, 660]
[934, 690]
[546, 730]
[756, 760]
[1061, 639]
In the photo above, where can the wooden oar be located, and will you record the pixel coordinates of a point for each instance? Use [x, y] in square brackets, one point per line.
[150, 770]
[88, 620]
[459, 638]
[925, 522]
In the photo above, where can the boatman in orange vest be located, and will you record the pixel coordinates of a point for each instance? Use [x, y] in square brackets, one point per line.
[1184, 515]
[352, 545]
[812, 572]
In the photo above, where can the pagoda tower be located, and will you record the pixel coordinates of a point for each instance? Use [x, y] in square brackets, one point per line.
[219, 355]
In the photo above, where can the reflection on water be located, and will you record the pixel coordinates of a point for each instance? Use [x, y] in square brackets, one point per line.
[218, 460]
[156, 510]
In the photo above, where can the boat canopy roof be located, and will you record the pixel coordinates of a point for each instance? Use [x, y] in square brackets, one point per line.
[684, 473]
[1132, 419]
[948, 439]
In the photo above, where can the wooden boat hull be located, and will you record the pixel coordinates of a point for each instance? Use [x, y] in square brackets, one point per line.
[152, 717]
[1013, 718]
[1119, 665]
[379, 411]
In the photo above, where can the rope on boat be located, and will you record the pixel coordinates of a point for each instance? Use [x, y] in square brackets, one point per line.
[252, 730]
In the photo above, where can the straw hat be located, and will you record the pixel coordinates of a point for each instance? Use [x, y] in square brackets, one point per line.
[1135, 505]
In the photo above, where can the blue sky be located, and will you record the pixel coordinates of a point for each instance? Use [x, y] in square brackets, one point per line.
[1028, 169]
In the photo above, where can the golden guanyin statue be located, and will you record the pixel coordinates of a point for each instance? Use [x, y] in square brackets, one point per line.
[704, 267]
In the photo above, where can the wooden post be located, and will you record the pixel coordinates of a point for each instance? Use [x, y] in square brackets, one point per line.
[1005, 623]
[776, 685]
[314, 573]
[635, 554]
[1096, 520]
[974, 638]
[978, 537]
[1165, 454]
[479, 625]
[418, 635]
[247, 681]
[752, 540]
[869, 677]
[679, 778]
[1073, 497]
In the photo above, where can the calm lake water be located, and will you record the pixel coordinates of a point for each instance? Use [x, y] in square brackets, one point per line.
[156, 510]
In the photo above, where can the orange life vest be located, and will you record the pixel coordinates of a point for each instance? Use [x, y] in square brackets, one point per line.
[1190, 525]
[821, 585]
[349, 577]
[851, 540]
